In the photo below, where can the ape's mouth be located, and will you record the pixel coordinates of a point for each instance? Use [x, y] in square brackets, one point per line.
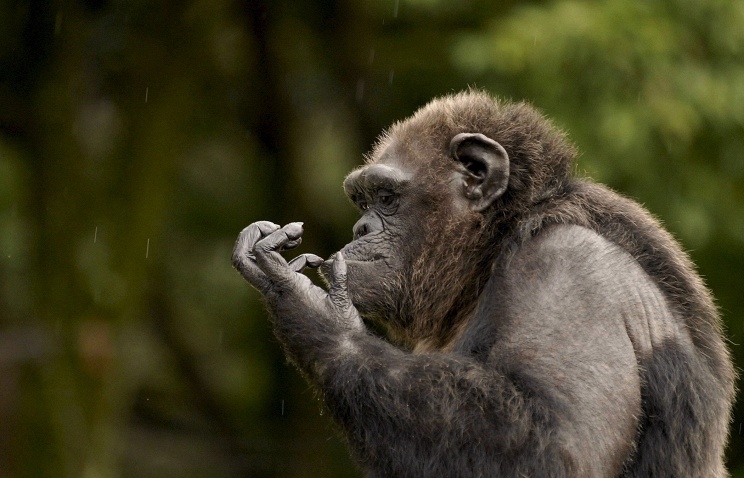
[363, 260]
[352, 256]
[327, 266]
[375, 258]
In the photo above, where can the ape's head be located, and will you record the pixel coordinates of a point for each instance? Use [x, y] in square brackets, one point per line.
[433, 196]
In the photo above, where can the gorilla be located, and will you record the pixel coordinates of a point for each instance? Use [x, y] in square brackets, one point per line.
[496, 316]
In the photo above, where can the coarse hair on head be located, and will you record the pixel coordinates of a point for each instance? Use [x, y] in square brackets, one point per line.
[540, 155]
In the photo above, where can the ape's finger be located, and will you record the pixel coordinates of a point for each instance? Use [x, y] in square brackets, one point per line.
[305, 260]
[267, 257]
[338, 292]
[249, 236]
[314, 261]
[253, 233]
[292, 244]
[243, 259]
[289, 235]
[266, 227]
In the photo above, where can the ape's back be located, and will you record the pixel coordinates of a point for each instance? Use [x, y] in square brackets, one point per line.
[687, 393]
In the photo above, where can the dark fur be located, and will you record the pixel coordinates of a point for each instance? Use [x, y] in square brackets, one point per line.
[465, 402]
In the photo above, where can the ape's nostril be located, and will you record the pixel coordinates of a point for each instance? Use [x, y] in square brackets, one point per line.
[360, 230]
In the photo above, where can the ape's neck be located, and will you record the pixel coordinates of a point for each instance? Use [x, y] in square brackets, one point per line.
[444, 284]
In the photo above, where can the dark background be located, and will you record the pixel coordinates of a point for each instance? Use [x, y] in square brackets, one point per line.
[137, 138]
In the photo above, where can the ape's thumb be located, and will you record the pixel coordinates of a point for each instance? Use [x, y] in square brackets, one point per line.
[338, 292]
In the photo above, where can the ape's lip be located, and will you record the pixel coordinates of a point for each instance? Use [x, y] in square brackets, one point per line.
[354, 265]
[374, 258]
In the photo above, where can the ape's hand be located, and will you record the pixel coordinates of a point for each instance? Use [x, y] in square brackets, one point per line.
[291, 296]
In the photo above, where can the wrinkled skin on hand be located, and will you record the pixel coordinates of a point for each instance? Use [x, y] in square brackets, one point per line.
[301, 309]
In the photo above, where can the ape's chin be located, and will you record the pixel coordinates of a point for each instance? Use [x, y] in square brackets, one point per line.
[368, 292]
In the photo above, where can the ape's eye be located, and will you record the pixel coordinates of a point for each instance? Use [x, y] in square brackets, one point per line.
[387, 201]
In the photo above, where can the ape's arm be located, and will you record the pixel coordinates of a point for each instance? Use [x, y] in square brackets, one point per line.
[558, 396]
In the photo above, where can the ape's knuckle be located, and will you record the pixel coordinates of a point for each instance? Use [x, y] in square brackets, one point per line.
[338, 304]
[264, 246]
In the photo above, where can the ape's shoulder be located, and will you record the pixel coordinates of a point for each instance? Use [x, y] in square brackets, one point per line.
[570, 270]
[625, 223]
[572, 249]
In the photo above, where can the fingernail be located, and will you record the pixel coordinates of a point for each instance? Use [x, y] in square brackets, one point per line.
[315, 261]
[339, 264]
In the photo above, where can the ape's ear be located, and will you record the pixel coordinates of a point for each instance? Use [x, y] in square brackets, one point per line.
[485, 168]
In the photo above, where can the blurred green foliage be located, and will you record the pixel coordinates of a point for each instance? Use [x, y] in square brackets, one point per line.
[138, 138]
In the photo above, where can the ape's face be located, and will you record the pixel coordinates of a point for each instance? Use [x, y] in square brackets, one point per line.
[404, 212]
[387, 235]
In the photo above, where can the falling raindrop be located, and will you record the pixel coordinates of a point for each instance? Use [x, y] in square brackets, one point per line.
[371, 56]
[360, 90]
[390, 77]
[147, 93]
[395, 8]
[95, 235]
[282, 407]
[147, 249]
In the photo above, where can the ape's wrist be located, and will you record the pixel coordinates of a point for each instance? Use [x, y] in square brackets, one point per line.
[315, 351]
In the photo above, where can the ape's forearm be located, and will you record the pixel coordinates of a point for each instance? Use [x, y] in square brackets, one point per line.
[429, 415]
[309, 340]
[365, 379]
